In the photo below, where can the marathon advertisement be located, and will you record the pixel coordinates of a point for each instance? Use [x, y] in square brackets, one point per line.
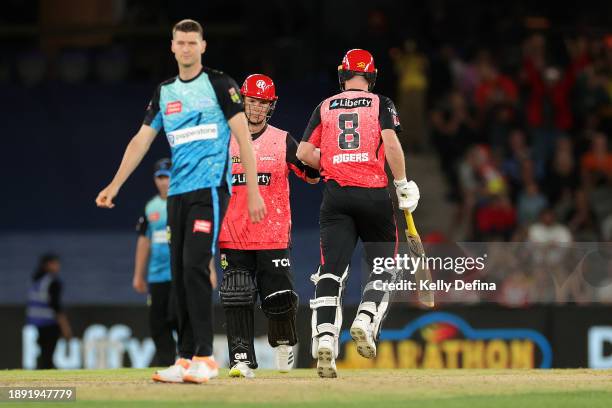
[483, 336]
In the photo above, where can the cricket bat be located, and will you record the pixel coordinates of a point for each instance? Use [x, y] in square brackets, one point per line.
[426, 297]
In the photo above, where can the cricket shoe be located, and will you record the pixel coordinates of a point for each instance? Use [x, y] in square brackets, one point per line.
[284, 358]
[241, 370]
[361, 332]
[174, 373]
[326, 357]
[201, 370]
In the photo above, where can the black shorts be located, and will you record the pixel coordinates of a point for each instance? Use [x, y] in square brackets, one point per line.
[351, 213]
[270, 268]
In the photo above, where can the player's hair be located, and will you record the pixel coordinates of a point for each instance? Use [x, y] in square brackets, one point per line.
[188, 26]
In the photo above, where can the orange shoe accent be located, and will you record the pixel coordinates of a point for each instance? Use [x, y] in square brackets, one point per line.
[191, 379]
[157, 378]
[209, 360]
[184, 362]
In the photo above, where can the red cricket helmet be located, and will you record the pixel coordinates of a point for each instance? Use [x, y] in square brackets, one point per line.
[357, 62]
[260, 86]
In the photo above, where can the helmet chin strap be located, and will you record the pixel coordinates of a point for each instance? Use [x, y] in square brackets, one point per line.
[255, 123]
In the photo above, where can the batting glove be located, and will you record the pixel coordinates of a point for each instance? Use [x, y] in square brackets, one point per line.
[407, 194]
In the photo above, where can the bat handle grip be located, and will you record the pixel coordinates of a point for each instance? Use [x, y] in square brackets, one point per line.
[410, 223]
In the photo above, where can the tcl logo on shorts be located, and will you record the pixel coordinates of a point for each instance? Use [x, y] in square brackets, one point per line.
[202, 226]
[174, 107]
[281, 262]
[350, 158]
[154, 216]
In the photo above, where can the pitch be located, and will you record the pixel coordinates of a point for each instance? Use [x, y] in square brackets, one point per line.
[354, 388]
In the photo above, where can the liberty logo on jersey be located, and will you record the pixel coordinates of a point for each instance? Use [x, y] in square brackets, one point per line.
[346, 103]
[263, 179]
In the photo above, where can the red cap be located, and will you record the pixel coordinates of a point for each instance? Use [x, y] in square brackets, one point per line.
[359, 61]
[259, 86]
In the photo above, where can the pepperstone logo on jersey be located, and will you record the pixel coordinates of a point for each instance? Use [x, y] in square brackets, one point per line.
[192, 134]
[346, 103]
[263, 179]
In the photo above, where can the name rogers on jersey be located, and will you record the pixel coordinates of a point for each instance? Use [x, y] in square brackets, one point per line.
[350, 158]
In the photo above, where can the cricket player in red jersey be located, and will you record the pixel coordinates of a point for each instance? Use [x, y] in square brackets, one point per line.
[255, 257]
[355, 130]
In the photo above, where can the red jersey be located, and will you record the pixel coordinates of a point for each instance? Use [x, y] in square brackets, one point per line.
[347, 128]
[275, 154]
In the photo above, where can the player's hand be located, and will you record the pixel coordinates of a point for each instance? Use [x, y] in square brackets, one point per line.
[139, 284]
[257, 207]
[407, 194]
[105, 197]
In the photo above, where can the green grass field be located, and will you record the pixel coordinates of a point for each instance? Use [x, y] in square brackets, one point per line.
[354, 388]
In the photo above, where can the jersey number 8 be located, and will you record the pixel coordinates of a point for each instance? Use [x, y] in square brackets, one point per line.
[348, 123]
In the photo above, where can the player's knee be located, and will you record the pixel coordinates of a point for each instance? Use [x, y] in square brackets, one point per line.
[237, 288]
[195, 270]
[280, 305]
[281, 308]
[327, 287]
[195, 276]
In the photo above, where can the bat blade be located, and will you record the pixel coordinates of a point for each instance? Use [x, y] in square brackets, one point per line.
[426, 296]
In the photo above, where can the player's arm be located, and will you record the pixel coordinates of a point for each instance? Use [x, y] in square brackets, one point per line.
[141, 259]
[134, 152]
[240, 129]
[394, 154]
[308, 151]
[407, 191]
[303, 171]
[230, 102]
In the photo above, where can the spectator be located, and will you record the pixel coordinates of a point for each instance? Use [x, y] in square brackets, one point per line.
[453, 132]
[531, 202]
[496, 97]
[562, 179]
[410, 68]
[496, 219]
[44, 310]
[596, 165]
[494, 89]
[548, 109]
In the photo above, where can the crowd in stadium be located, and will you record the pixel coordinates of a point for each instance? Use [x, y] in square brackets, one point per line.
[525, 151]
[523, 143]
